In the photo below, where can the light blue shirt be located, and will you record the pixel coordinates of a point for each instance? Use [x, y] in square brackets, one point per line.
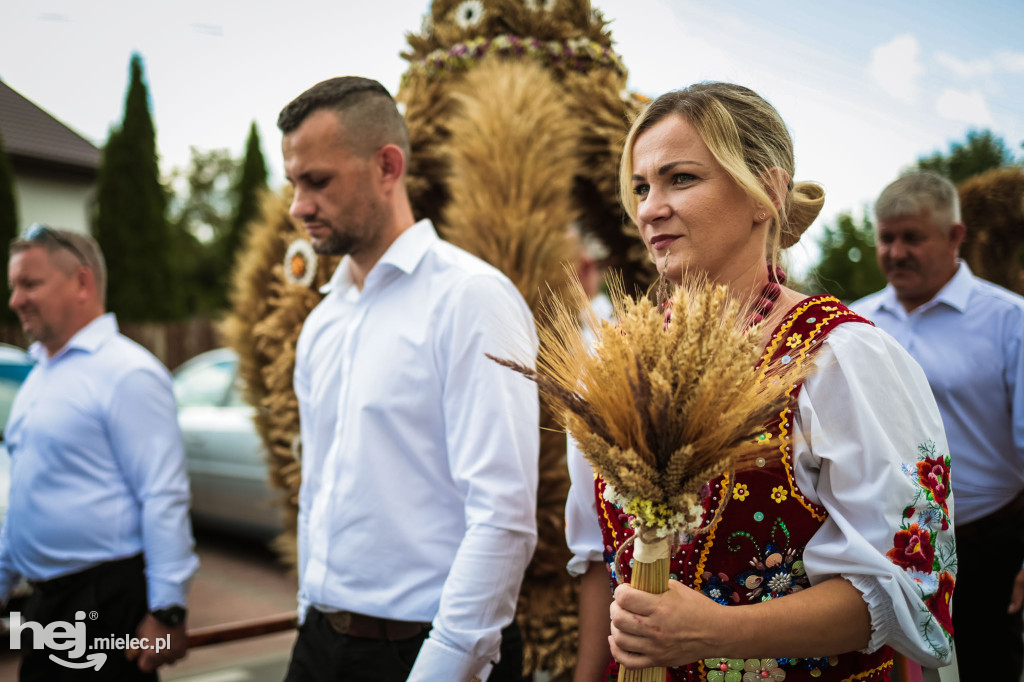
[969, 339]
[97, 467]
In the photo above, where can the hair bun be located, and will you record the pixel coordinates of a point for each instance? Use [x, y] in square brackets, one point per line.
[802, 207]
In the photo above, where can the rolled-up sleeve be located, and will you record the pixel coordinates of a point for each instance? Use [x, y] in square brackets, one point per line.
[582, 530]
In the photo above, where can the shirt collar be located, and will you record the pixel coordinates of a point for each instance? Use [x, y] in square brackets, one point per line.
[955, 293]
[405, 253]
[88, 339]
[958, 289]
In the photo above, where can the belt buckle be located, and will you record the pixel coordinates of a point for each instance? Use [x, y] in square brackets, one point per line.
[340, 621]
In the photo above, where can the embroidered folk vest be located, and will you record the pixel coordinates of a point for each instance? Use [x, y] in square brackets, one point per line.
[754, 552]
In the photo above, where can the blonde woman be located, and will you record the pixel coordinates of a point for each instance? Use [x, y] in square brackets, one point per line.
[837, 548]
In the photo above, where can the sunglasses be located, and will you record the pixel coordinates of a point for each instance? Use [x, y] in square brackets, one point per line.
[39, 233]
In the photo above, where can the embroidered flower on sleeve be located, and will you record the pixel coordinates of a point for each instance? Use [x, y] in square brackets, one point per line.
[779, 494]
[933, 474]
[933, 519]
[740, 491]
[938, 604]
[757, 669]
[724, 669]
[912, 548]
[923, 544]
[927, 582]
[794, 340]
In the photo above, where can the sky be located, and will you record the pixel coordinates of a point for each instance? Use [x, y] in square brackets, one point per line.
[866, 88]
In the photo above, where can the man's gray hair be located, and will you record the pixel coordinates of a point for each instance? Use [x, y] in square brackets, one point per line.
[79, 245]
[917, 191]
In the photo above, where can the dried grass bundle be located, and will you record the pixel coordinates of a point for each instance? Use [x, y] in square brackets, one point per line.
[660, 405]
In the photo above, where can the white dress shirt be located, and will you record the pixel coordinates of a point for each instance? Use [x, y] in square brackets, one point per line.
[859, 422]
[419, 455]
[97, 467]
[969, 339]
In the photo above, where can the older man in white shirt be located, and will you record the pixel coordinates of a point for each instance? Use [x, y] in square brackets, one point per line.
[417, 505]
[968, 336]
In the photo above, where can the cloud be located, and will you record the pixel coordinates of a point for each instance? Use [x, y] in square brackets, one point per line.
[895, 67]
[971, 69]
[966, 107]
[1004, 61]
[1010, 62]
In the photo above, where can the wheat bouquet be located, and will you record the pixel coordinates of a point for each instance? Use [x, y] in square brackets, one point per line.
[667, 399]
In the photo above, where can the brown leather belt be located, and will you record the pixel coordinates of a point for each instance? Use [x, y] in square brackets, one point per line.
[371, 627]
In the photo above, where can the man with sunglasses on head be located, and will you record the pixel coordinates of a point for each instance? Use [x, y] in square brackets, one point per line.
[98, 517]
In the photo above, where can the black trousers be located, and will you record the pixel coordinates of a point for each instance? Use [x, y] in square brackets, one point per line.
[989, 555]
[112, 597]
[322, 655]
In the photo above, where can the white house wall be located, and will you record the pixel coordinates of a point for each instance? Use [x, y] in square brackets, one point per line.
[62, 203]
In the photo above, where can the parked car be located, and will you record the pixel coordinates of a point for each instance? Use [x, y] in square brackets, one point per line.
[15, 365]
[225, 456]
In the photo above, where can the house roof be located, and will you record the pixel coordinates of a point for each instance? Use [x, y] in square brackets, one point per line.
[32, 134]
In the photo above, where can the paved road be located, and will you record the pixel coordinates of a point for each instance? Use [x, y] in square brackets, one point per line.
[237, 580]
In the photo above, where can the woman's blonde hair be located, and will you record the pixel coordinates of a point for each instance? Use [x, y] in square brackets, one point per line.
[748, 138]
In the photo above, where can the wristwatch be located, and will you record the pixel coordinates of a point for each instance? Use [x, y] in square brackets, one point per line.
[172, 616]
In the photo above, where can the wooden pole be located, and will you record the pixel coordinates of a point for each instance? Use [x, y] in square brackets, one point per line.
[230, 632]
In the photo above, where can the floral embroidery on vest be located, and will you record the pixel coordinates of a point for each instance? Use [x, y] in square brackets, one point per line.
[777, 569]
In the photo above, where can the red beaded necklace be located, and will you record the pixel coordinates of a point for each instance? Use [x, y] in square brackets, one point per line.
[769, 295]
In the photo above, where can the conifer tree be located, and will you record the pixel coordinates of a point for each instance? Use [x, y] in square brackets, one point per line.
[8, 223]
[131, 225]
[252, 181]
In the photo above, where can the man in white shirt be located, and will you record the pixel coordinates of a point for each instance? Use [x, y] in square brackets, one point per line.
[98, 516]
[419, 465]
[968, 336]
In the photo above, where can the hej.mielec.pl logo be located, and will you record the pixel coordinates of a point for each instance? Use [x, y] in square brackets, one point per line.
[72, 638]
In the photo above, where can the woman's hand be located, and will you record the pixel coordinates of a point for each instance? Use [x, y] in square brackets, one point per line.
[682, 625]
[673, 628]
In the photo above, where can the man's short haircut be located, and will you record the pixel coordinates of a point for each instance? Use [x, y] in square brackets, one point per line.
[364, 107]
[80, 246]
[916, 191]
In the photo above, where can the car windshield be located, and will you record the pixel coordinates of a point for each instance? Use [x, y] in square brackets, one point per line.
[204, 384]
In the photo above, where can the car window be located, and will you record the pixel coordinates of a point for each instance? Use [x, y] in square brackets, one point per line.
[8, 389]
[11, 378]
[204, 384]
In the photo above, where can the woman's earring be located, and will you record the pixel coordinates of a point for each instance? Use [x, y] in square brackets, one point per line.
[761, 216]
